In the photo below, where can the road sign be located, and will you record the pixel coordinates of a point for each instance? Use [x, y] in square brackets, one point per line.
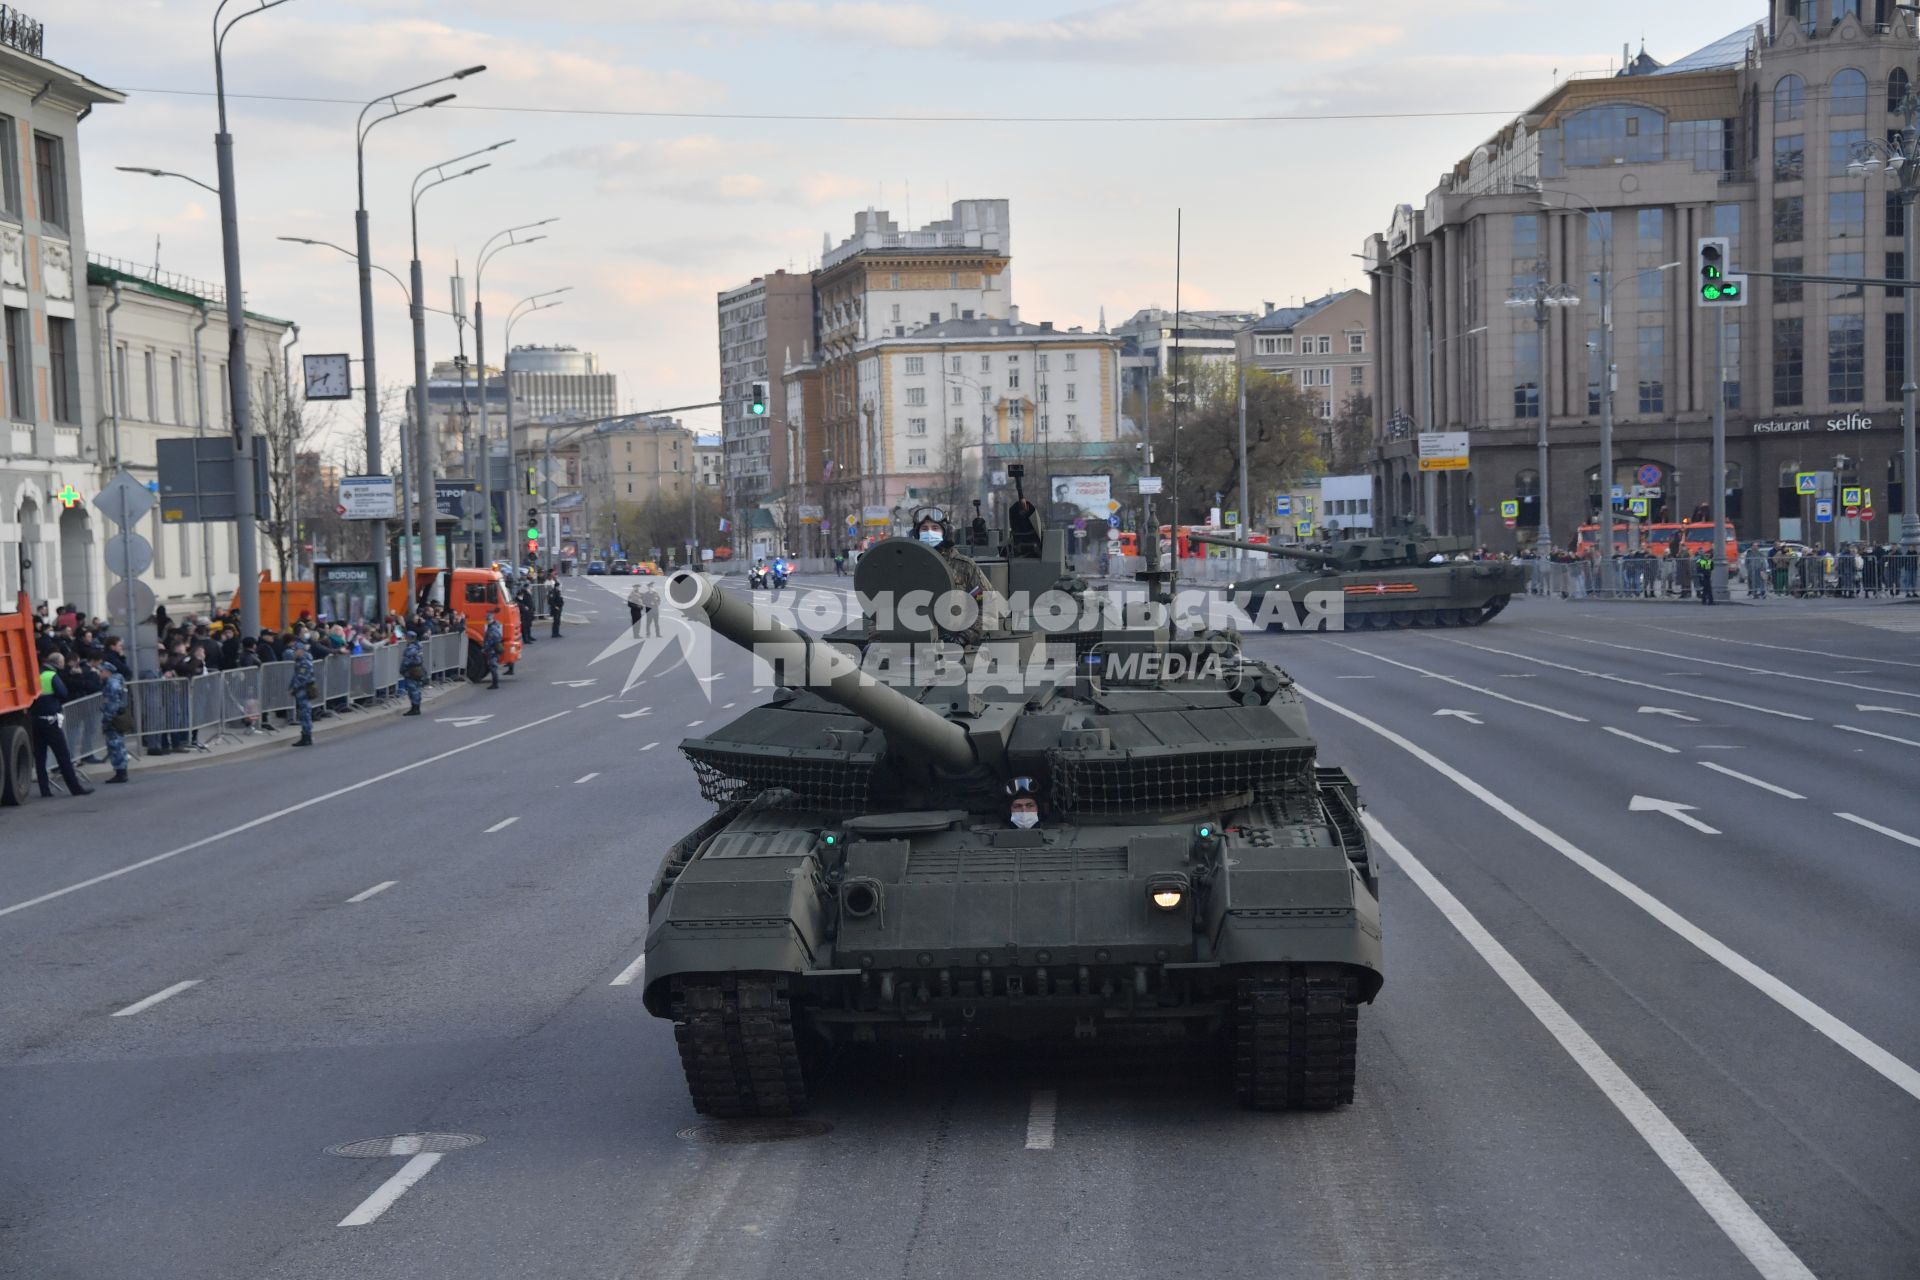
[1443, 450]
[1648, 474]
[1303, 528]
[1510, 509]
[1149, 485]
[1637, 506]
[1112, 507]
[369, 497]
[124, 500]
[1283, 506]
[142, 600]
[1510, 523]
[1823, 511]
[1113, 522]
[1233, 517]
[852, 520]
[1850, 499]
[128, 555]
[1806, 482]
[1619, 492]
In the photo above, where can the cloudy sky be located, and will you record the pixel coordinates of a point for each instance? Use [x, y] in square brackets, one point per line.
[643, 125]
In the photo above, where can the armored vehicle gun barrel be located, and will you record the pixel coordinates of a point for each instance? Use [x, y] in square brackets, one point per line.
[1305, 555]
[828, 671]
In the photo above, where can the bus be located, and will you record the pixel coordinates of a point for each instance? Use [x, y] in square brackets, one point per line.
[1695, 537]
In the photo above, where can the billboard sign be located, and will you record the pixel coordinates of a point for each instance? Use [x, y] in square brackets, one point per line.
[369, 498]
[1443, 450]
[347, 593]
[1089, 495]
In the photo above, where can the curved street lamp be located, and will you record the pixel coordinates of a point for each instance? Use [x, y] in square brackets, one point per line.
[520, 311]
[1543, 298]
[487, 251]
[1898, 157]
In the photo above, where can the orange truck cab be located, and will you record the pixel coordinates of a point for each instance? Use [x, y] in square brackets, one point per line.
[19, 685]
[471, 593]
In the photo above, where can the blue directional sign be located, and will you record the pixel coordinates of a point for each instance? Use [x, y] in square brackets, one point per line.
[1113, 522]
[1283, 506]
[1823, 511]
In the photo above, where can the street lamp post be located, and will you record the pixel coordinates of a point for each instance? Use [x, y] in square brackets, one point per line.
[1435, 421]
[513, 315]
[370, 391]
[425, 496]
[487, 251]
[1541, 297]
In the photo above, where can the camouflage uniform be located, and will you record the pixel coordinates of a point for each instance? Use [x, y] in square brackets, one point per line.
[490, 647]
[413, 674]
[301, 686]
[113, 701]
[969, 578]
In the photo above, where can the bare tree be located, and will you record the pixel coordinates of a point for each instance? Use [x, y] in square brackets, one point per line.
[1282, 431]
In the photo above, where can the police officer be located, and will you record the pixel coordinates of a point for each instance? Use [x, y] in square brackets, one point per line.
[554, 604]
[301, 686]
[490, 646]
[1703, 575]
[413, 672]
[523, 600]
[47, 734]
[113, 704]
[636, 607]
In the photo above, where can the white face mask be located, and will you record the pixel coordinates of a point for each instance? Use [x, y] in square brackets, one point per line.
[1026, 820]
[932, 537]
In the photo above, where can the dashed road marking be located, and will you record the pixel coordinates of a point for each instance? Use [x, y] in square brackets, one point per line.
[695, 724]
[628, 975]
[1906, 742]
[392, 1189]
[1043, 1111]
[154, 999]
[1638, 684]
[635, 715]
[502, 825]
[585, 778]
[1750, 780]
[650, 746]
[1435, 675]
[1889, 832]
[364, 894]
[1645, 742]
[596, 702]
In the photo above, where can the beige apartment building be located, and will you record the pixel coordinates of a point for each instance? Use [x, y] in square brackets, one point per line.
[1600, 193]
[1321, 346]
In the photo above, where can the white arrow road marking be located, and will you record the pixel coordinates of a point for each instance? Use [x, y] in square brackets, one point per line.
[1645, 742]
[1462, 684]
[156, 998]
[462, 722]
[1750, 780]
[1892, 711]
[1638, 684]
[392, 1189]
[1043, 1110]
[627, 976]
[502, 825]
[1468, 716]
[1868, 733]
[1673, 809]
[1859, 821]
[576, 684]
[364, 894]
[635, 715]
[1669, 711]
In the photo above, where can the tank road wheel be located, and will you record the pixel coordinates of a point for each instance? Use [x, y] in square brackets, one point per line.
[737, 1044]
[16, 765]
[1372, 621]
[1296, 1034]
[1402, 620]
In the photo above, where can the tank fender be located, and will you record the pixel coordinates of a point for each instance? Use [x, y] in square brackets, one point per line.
[764, 914]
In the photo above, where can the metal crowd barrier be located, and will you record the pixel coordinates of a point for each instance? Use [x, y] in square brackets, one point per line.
[1845, 575]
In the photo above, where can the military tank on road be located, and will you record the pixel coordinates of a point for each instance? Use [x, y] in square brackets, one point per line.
[1405, 580]
[1141, 847]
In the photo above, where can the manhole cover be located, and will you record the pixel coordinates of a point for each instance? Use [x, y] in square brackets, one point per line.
[733, 1133]
[405, 1144]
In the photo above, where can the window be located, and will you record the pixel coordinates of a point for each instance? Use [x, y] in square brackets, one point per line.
[916, 457]
[19, 375]
[1846, 264]
[1071, 357]
[916, 365]
[954, 364]
[1044, 420]
[50, 179]
[1730, 377]
[1326, 344]
[1013, 372]
[933, 317]
[1896, 356]
[1526, 373]
[1286, 346]
[63, 369]
[123, 402]
[1652, 225]
[916, 426]
[953, 311]
[1726, 222]
[1266, 346]
[10, 163]
[1847, 214]
[1789, 99]
[1896, 89]
[1789, 219]
[1356, 376]
[1653, 286]
[1708, 143]
[1653, 368]
[1615, 134]
[1073, 391]
[896, 313]
[1848, 96]
[953, 279]
[959, 424]
[893, 280]
[1356, 344]
[986, 364]
[1040, 362]
[1847, 358]
[1599, 230]
[956, 393]
[1896, 270]
[153, 388]
[1788, 290]
[1043, 393]
[1896, 215]
[1842, 144]
[1526, 230]
[1789, 157]
[916, 395]
[173, 397]
[1789, 354]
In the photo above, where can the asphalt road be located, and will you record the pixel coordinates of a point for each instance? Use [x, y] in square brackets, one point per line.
[1617, 1038]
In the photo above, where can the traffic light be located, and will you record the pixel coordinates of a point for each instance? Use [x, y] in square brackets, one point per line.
[757, 405]
[533, 534]
[1717, 288]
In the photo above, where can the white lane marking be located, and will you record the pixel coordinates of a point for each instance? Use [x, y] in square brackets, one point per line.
[1718, 746]
[1669, 711]
[392, 1189]
[1750, 780]
[1853, 673]
[1673, 809]
[1892, 711]
[1868, 733]
[1518, 702]
[1787, 648]
[463, 722]
[1512, 675]
[1875, 1057]
[1043, 1111]
[626, 977]
[585, 778]
[635, 715]
[596, 702]
[695, 724]
[1645, 742]
[729, 706]
[1734, 1216]
[1859, 821]
[1638, 684]
[1468, 716]
[578, 684]
[264, 819]
[502, 825]
[406, 1144]
[156, 998]
[1354, 677]
[364, 894]
[1736, 666]
[650, 746]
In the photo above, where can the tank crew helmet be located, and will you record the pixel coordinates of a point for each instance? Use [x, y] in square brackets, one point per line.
[1024, 806]
[930, 526]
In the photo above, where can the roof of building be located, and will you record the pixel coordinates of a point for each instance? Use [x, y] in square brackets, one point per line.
[1730, 50]
[989, 330]
[1286, 319]
[106, 277]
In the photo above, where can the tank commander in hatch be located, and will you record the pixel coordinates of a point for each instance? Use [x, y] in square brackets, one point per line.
[1023, 811]
[965, 575]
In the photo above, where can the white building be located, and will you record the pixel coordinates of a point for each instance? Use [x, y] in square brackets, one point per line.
[50, 545]
[1346, 505]
[561, 380]
[168, 339]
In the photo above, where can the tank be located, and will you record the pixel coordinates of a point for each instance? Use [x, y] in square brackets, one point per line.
[1391, 581]
[1197, 880]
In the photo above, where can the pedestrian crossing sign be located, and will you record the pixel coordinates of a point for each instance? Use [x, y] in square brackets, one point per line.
[1806, 482]
[1510, 509]
[1303, 528]
[1637, 506]
[1850, 496]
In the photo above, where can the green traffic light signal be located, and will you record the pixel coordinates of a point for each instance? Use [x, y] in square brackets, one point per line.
[533, 535]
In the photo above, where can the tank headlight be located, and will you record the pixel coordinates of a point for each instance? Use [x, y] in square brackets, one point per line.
[1168, 893]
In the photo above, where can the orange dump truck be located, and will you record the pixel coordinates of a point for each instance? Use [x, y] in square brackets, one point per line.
[471, 593]
[19, 685]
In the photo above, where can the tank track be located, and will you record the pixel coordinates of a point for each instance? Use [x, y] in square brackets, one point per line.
[1296, 1037]
[737, 1045]
[1473, 617]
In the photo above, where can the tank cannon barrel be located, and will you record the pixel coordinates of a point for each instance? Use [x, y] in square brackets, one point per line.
[1290, 551]
[829, 671]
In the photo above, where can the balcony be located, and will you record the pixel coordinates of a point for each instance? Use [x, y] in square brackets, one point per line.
[21, 33]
